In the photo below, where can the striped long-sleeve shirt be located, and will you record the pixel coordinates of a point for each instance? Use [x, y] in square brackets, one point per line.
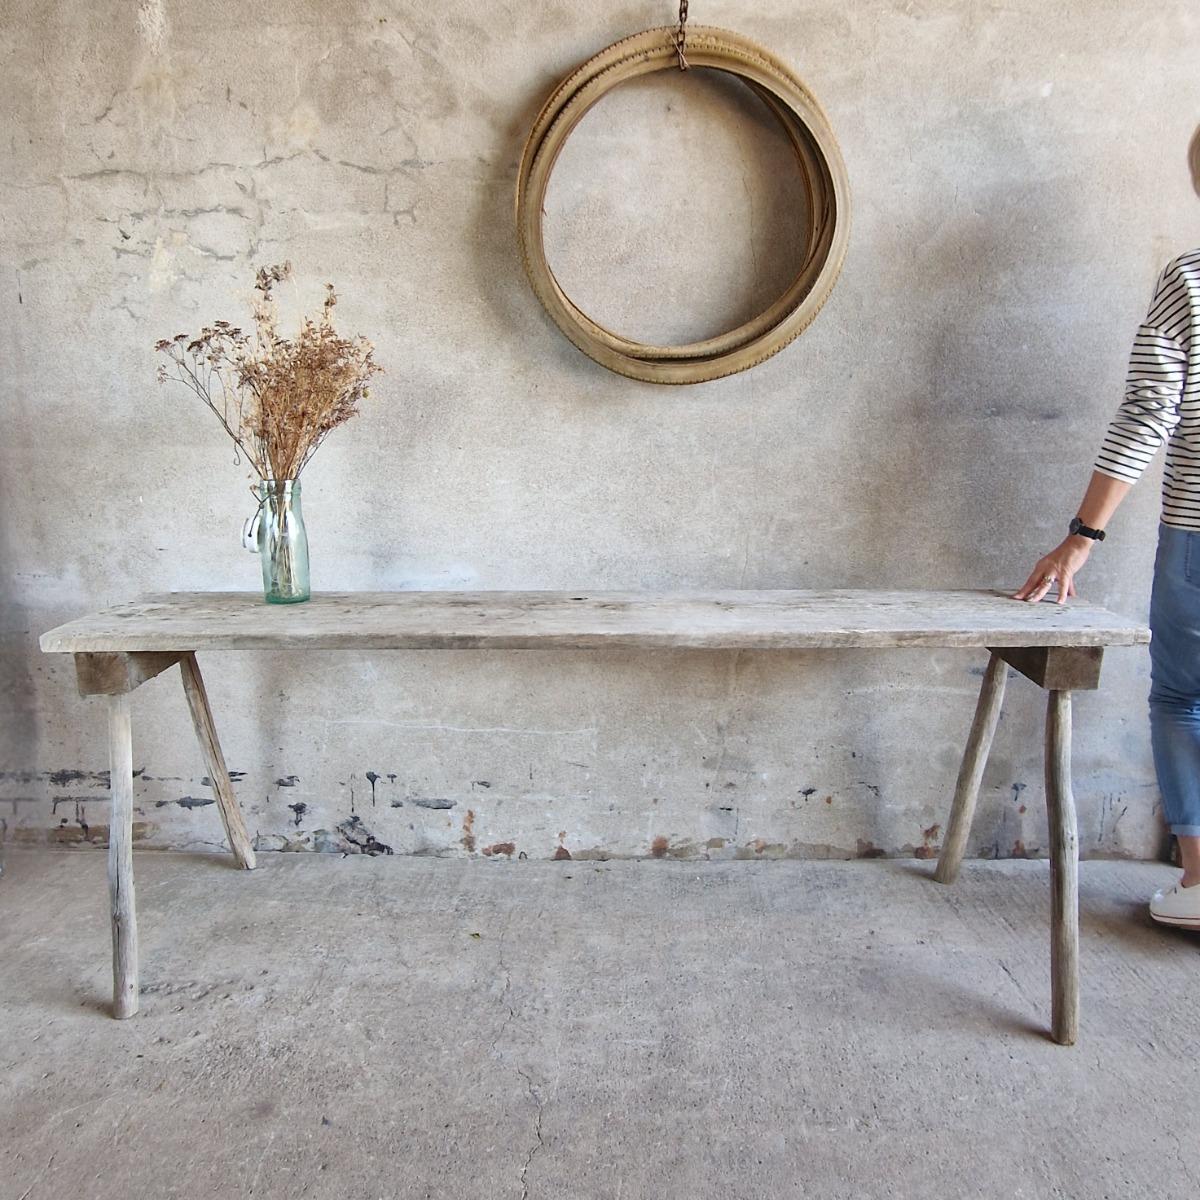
[1162, 396]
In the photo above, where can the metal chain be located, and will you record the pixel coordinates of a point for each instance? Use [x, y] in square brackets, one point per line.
[681, 35]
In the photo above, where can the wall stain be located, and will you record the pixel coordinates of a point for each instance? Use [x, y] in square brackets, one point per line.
[506, 848]
[299, 808]
[66, 776]
[660, 846]
[288, 781]
[592, 854]
[929, 847]
[468, 833]
[55, 801]
[372, 779]
[430, 802]
[562, 854]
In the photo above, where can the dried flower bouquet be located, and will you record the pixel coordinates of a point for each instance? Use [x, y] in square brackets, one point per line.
[278, 398]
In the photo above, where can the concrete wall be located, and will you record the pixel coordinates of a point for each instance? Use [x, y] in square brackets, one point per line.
[1019, 174]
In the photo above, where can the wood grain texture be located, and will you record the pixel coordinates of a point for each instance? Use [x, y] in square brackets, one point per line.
[1058, 668]
[970, 773]
[1064, 872]
[112, 674]
[214, 760]
[120, 860]
[747, 620]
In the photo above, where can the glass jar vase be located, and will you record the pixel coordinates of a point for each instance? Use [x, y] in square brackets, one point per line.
[276, 534]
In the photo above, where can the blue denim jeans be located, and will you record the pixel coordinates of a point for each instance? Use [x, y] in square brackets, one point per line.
[1175, 676]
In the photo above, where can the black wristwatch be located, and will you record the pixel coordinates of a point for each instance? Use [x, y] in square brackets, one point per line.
[1077, 526]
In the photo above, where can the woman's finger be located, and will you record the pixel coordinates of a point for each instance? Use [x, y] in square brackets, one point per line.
[1066, 585]
[1041, 587]
[1022, 593]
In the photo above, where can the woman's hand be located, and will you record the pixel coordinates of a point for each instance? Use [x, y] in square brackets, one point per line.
[1059, 567]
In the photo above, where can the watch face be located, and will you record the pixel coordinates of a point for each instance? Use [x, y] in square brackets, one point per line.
[1075, 524]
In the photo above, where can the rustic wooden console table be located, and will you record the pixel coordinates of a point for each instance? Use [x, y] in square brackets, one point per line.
[1058, 648]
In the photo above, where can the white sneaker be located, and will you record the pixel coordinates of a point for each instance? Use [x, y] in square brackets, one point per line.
[1177, 905]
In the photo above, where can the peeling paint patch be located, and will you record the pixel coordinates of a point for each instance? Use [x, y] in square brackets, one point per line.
[187, 802]
[765, 849]
[562, 854]
[865, 849]
[505, 848]
[152, 24]
[468, 833]
[660, 846]
[66, 777]
[288, 781]
[299, 809]
[77, 833]
[359, 836]
[286, 845]
[430, 802]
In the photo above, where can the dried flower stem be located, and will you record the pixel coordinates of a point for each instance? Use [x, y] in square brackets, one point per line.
[277, 398]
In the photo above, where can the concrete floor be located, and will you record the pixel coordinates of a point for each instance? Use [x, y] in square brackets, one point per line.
[408, 1027]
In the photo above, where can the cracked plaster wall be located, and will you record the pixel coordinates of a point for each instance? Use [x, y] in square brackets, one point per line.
[1019, 177]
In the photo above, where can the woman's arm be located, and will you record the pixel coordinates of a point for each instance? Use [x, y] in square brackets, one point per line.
[1144, 421]
[1066, 560]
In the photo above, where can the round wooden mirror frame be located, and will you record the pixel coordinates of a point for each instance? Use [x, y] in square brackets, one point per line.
[822, 171]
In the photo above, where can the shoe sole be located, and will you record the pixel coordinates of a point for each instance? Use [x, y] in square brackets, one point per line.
[1178, 922]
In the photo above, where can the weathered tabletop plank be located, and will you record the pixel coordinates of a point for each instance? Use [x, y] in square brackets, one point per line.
[766, 620]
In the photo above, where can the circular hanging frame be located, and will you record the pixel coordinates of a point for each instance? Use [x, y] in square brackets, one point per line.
[822, 170]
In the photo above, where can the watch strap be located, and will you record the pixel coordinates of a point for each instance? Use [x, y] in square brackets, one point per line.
[1078, 527]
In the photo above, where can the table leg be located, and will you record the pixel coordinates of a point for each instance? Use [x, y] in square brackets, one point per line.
[120, 859]
[970, 774]
[214, 760]
[1064, 872]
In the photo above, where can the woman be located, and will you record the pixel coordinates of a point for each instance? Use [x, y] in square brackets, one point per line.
[1161, 405]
